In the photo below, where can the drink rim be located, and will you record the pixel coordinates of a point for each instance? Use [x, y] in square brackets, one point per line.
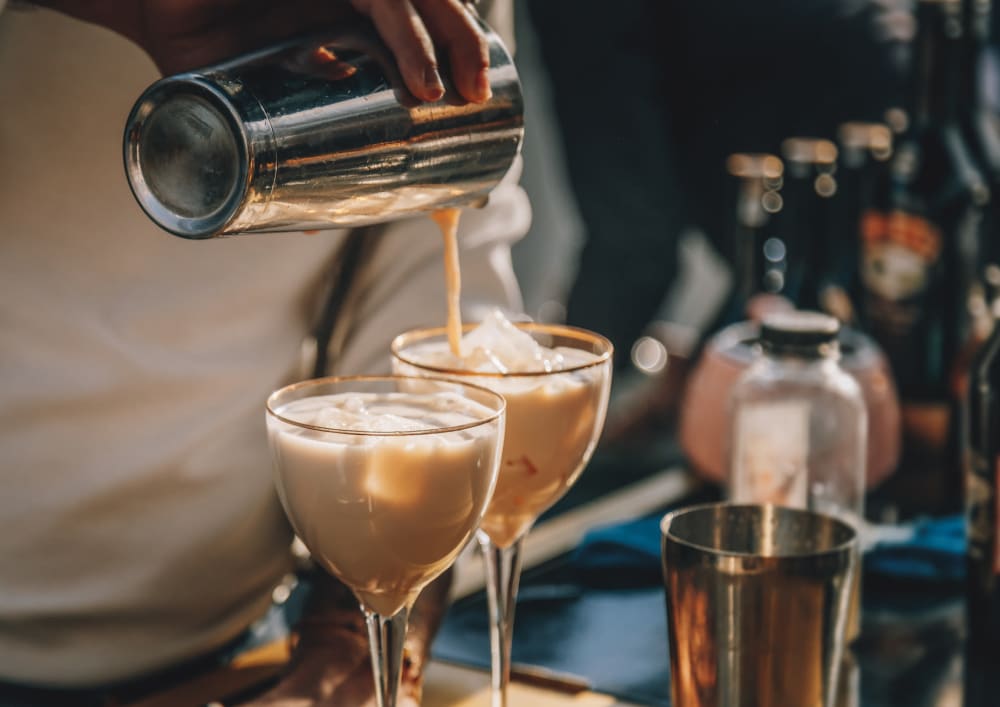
[840, 548]
[408, 338]
[497, 413]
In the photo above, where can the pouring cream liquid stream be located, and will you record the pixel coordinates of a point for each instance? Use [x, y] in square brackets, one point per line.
[447, 221]
[550, 418]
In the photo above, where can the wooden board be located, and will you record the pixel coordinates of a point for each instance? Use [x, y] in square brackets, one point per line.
[448, 685]
[445, 685]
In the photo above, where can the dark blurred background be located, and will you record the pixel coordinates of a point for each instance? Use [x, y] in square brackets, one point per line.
[633, 107]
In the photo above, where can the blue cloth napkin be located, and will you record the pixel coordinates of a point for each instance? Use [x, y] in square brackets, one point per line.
[634, 544]
[933, 550]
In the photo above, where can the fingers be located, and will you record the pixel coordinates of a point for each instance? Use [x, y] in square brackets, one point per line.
[402, 29]
[455, 31]
[412, 28]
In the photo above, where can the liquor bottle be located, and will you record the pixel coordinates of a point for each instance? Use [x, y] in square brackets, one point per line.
[756, 180]
[752, 197]
[862, 175]
[919, 261]
[804, 223]
[982, 469]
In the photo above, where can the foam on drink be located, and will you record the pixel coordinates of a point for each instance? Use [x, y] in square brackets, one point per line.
[386, 512]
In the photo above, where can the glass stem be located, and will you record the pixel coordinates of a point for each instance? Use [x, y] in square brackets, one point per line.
[385, 635]
[503, 572]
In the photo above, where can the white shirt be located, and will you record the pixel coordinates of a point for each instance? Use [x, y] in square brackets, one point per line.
[138, 520]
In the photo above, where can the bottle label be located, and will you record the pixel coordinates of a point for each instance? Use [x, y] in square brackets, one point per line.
[898, 250]
[770, 454]
[912, 274]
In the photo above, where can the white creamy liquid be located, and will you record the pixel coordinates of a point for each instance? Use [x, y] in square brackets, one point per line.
[553, 421]
[386, 514]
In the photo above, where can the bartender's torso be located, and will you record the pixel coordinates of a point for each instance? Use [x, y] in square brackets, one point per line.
[138, 520]
[133, 370]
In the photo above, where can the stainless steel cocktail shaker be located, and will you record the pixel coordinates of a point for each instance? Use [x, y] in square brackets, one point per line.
[313, 134]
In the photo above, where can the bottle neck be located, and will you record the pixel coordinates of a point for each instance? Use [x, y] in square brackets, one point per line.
[750, 218]
[756, 181]
[936, 63]
[804, 226]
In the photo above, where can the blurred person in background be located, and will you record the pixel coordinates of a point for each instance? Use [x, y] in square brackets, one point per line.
[652, 97]
[142, 536]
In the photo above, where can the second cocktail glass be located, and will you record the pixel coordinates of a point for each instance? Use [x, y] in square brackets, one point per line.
[385, 480]
[555, 414]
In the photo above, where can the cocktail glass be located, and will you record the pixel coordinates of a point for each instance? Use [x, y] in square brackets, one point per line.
[554, 419]
[385, 480]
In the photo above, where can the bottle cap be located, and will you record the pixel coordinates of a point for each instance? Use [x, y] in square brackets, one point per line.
[809, 150]
[797, 330]
[858, 138]
[814, 159]
[759, 177]
[754, 165]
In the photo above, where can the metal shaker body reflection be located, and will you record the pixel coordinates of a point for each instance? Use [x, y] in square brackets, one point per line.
[317, 133]
[757, 600]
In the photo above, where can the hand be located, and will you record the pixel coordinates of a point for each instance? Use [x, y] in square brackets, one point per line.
[324, 677]
[331, 663]
[185, 34]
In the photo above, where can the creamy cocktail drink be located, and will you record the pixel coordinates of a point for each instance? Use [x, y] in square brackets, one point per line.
[385, 480]
[556, 401]
[556, 381]
[385, 512]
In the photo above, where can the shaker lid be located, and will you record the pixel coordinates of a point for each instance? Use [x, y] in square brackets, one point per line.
[797, 329]
[185, 158]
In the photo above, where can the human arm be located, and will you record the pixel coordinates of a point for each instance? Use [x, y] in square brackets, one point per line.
[184, 34]
[330, 665]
